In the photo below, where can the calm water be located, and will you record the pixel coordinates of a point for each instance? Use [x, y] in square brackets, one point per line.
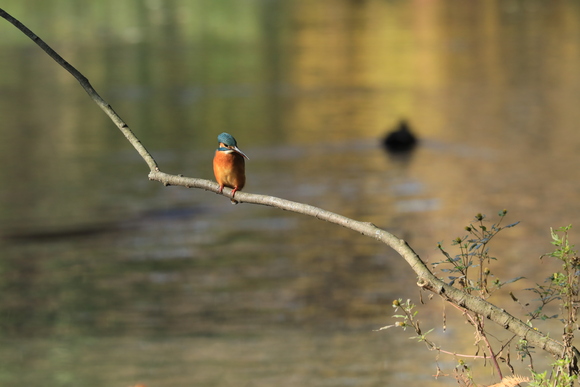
[109, 279]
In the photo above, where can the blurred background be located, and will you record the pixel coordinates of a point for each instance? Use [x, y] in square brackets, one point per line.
[108, 279]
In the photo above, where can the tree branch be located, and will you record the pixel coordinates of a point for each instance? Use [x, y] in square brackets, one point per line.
[426, 279]
[88, 88]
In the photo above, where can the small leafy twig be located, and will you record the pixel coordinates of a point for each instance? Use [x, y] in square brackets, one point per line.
[474, 254]
[407, 319]
[565, 286]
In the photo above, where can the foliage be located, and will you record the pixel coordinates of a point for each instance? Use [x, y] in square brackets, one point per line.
[474, 256]
[559, 377]
[470, 270]
[563, 287]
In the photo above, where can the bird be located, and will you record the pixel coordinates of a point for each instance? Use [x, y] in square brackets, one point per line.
[229, 166]
[401, 139]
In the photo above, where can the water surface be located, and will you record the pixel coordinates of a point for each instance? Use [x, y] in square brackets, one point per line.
[110, 279]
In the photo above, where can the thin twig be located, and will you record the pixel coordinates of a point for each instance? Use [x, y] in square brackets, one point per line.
[478, 325]
[88, 88]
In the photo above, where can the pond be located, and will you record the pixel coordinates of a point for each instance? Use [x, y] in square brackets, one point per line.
[108, 278]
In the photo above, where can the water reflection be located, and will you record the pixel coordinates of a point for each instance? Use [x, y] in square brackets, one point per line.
[173, 286]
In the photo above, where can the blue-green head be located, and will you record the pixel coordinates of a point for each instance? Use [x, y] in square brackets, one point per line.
[228, 144]
[227, 139]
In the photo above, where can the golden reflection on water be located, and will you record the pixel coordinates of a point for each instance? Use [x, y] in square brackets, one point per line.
[98, 256]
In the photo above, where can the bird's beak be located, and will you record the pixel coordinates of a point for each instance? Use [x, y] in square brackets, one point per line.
[235, 148]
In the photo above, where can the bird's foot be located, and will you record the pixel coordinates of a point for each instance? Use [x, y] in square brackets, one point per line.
[234, 194]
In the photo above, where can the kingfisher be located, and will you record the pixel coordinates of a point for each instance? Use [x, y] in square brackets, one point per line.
[229, 166]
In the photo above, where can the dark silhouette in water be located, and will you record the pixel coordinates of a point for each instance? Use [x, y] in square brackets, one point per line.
[401, 139]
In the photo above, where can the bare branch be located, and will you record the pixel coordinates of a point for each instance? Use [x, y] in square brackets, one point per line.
[88, 88]
[426, 279]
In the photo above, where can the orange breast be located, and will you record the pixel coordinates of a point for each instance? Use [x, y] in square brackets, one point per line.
[229, 169]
